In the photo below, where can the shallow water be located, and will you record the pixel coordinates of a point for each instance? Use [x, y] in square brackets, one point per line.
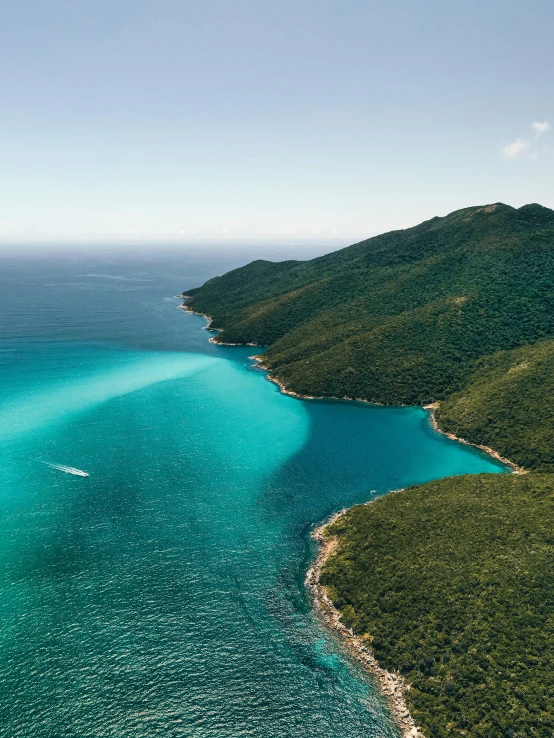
[163, 594]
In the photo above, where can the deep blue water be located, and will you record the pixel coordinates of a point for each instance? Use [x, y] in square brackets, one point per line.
[163, 594]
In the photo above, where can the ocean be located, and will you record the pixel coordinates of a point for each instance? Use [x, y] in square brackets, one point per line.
[163, 594]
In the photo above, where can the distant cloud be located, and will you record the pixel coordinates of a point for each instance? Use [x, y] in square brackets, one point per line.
[515, 148]
[520, 144]
[541, 128]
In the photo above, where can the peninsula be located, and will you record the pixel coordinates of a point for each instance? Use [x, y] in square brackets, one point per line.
[452, 582]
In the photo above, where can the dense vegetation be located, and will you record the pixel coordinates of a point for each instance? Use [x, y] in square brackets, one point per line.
[402, 317]
[454, 580]
[508, 404]
[454, 583]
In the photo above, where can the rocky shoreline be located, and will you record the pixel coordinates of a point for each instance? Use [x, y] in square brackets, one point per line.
[432, 410]
[291, 393]
[209, 327]
[392, 686]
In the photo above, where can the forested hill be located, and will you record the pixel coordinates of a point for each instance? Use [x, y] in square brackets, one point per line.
[399, 318]
[458, 309]
[451, 581]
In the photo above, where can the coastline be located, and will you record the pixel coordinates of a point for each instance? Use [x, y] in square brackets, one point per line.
[392, 686]
[209, 327]
[432, 410]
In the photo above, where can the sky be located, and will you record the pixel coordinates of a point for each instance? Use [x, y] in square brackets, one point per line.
[268, 121]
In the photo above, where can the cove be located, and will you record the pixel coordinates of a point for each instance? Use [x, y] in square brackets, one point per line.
[163, 594]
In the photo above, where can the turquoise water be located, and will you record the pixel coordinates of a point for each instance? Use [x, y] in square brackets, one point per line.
[163, 594]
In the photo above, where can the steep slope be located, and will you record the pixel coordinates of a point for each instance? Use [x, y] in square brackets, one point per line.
[402, 317]
[508, 404]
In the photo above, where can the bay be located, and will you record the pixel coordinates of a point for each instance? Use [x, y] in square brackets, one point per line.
[163, 594]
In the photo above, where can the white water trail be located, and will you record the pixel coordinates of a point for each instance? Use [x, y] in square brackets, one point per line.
[66, 469]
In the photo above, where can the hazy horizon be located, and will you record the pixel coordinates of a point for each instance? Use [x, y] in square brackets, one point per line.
[254, 123]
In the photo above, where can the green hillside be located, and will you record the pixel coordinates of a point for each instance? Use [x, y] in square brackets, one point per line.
[508, 404]
[402, 317]
[454, 582]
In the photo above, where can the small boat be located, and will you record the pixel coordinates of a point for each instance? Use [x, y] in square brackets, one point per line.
[65, 469]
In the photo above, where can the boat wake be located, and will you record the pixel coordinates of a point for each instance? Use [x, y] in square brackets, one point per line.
[65, 469]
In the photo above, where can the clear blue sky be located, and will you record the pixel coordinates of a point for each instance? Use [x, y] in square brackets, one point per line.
[258, 120]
